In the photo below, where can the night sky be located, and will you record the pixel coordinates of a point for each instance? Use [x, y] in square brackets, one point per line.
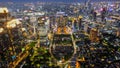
[52, 0]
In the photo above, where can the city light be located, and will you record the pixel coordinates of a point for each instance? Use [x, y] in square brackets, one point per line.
[1, 30]
[64, 34]
[4, 10]
[23, 29]
[17, 22]
[13, 23]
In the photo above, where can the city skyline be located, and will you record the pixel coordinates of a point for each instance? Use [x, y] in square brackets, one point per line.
[66, 1]
[59, 34]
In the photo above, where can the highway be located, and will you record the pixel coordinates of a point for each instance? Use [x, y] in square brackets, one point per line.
[21, 56]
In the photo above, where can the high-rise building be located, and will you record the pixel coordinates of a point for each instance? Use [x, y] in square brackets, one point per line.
[80, 22]
[8, 34]
[4, 14]
[118, 32]
[94, 35]
[62, 20]
[75, 24]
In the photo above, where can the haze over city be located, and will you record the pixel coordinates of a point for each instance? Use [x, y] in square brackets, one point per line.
[54, 0]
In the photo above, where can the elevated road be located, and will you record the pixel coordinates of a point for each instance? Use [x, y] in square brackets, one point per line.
[21, 55]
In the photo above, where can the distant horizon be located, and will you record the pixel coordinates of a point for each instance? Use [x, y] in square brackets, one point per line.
[66, 1]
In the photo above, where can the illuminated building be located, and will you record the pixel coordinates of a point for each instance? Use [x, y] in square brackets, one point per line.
[77, 64]
[118, 32]
[62, 20]
[75, 23]
[80, 21]
[94, 35]
[8, 34]
[4, 14]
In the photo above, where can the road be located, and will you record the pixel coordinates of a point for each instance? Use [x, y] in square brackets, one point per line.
[20, 56]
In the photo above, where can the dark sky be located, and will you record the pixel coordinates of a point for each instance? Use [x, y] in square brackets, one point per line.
[52, 0]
